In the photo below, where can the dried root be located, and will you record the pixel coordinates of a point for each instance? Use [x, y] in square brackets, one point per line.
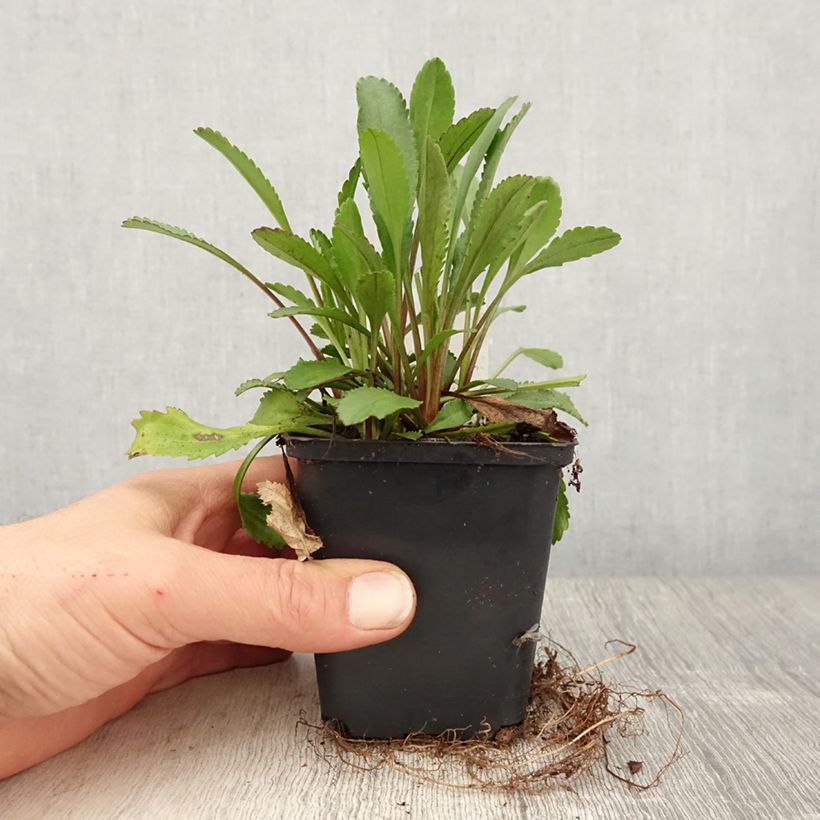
[570, 722]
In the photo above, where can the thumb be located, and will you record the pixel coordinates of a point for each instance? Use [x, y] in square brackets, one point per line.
[312, 606]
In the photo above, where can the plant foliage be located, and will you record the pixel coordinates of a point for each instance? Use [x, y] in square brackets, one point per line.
[397, 320]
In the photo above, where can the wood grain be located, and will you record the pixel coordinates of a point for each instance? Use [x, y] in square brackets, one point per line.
[739, 654]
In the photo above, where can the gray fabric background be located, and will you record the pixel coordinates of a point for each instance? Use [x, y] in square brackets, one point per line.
[692, 128]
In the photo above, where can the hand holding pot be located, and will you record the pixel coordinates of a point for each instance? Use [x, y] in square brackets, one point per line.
[152, 582]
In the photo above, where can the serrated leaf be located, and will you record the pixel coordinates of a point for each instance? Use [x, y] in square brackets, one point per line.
[494, 154]
[476, 155]
[313, 373]
[542, 356]
[143, 224]
[457, 140]
[289, 292]
[388, 187]
[318, 331]
[249, 170]
[371, 402]
[322, 243]
[376, 292]
[433, 219]
[496, 226]
[329, 313]
[574, 244]
[174, 433]
[348, 190]
[454, 413]
[546, 399]
[295, 251]
[506, 384]
[350, 247]
[542, 229]
[469, 199]
[432, 102]
[253, 514]
[250, 384]
[562, 516]
[278, 405]
[382, 108]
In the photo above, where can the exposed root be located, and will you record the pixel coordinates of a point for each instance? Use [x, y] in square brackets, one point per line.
[571, 720]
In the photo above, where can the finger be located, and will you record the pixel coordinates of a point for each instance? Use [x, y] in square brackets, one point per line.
[310, 606]
[198, 659]
[179, 502]
[240, 543]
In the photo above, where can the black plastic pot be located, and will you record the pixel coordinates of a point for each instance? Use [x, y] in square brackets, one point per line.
[471, 526]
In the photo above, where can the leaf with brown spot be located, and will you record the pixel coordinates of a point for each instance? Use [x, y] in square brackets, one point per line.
[495, 409]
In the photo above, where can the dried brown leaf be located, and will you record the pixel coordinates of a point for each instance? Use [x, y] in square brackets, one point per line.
[287, 519]
[496, 409]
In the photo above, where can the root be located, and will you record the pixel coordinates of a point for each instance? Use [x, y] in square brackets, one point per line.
[571, 719]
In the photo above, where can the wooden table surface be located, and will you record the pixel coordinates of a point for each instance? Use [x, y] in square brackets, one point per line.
[740, 655]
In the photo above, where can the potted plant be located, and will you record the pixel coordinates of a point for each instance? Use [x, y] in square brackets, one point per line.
[405, 452]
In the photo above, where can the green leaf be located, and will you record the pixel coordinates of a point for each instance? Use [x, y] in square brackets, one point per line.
[295, 251]
[573, 244]
[278, 406]
[433, 219]
[352, 251]
[476, 155]
[432, 102]
[507, 384]
[543, 228]
[348, 190]
[509, 309]
[454, 413]
[469, 199]
[563, 381]
[494, 154]
[388, 186]
[449, 370]
[435, 343]
[547, 358]
[371, 402]
[562, 516]
[173, 433]
[322, 243]
[143, 224]
[253, 514]
[305, 375]
[312, 310]
[457, 140]
[496, 226]
[545, 399]
[382, 108]
[376, 292]
[249, 170]
[250, 384]
[289, 292]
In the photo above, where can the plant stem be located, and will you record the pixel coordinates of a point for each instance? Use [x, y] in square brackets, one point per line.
[279, 303]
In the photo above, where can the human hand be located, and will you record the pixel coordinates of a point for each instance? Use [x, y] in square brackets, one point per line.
[152, 582]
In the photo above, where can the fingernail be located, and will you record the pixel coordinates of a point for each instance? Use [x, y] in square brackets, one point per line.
[379, 600]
